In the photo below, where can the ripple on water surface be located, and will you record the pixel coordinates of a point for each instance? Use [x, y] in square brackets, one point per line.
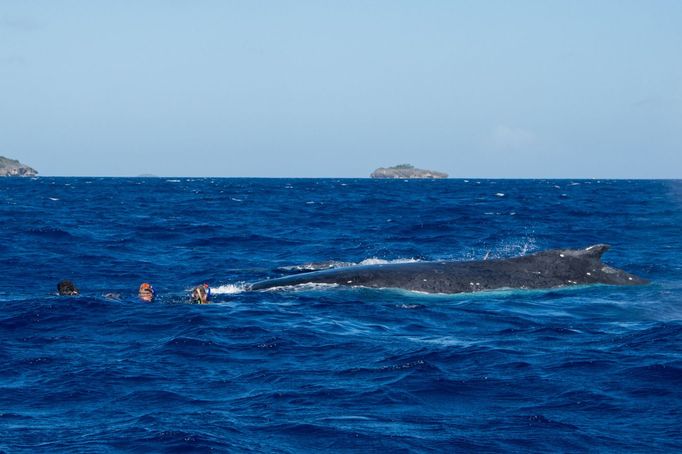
[331, 368]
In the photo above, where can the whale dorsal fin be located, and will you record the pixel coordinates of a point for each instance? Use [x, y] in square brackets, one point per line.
[595, 251]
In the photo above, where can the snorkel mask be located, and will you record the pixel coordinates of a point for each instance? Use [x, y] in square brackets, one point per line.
[147, 292]
[201, 294]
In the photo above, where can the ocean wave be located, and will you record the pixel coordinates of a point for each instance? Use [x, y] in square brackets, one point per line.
[378, 261]
[306, 287]
[315, 266]
[49, 232]
[229, 289]
[323, 367]
[318, 266]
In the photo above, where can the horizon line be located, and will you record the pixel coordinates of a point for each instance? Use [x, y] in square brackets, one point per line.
[346, 178]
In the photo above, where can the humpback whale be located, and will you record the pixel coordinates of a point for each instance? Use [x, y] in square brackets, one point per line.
[542, 270]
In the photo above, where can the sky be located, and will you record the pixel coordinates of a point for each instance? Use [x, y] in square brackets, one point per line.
[486, 89]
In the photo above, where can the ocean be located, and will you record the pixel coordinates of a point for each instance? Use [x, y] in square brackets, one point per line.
[335, 369]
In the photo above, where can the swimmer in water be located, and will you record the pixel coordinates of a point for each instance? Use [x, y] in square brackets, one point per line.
[201, 294]
[146, 292]
[67, 288]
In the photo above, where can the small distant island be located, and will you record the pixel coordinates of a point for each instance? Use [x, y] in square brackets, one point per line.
[13, 168]
[406, 171]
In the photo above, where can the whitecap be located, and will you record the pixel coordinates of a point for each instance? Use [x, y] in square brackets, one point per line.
[54, 199]
[443, 341]
[346, 418]
[316, 266]
[500, 194]
[378, 261]
[229, 289]
[303, 287]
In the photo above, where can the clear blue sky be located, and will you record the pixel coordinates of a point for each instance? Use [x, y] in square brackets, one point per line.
[337, 88]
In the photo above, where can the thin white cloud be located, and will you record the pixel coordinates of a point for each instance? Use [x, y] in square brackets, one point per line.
[658, 104]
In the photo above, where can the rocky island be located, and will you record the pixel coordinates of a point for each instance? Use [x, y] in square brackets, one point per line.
[13, 168]
[406, 171]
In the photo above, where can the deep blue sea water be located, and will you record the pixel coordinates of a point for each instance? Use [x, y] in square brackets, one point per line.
[581, 369]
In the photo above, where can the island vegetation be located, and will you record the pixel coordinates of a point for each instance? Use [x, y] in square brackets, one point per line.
[406, 171]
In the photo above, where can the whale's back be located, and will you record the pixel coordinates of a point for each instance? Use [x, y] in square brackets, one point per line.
[548, 269]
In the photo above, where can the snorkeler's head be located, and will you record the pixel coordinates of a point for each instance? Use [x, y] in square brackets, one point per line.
[201, 294]
[66, 287]
[146, 292]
